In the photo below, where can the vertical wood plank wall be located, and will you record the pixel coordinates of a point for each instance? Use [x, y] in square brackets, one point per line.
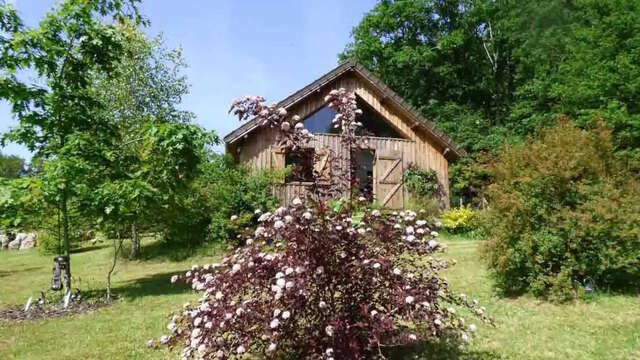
[419, 149]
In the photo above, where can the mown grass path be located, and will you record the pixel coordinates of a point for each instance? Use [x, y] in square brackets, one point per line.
[604, 327]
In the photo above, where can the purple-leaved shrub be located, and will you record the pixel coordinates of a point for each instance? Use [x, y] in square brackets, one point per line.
[322, 284]
[320, 281]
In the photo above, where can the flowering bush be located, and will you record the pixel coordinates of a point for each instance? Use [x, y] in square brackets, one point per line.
[321, 279]
[316, 283]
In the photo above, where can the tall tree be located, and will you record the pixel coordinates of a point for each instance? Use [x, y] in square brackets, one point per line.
[58, 114]
[491, 72]
[158, 149]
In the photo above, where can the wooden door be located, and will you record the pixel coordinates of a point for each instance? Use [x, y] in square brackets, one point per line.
[322, 166]
[388, 169]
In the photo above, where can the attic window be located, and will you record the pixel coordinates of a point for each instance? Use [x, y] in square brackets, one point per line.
[373, 123]
[301, 166]
[320, 121]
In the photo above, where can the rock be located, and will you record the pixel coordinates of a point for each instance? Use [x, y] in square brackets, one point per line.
[28, 241]
[15, 244]
[4, 241]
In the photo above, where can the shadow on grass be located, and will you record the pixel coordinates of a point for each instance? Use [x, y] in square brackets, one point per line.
[175, 252]
[84, 249]
[152, 285]
[4, 273]
[442, 350]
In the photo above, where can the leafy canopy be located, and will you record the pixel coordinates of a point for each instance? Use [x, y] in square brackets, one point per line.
[492, 72]
[11, 166]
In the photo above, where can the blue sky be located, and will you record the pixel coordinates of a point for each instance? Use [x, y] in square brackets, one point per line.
[236, 48]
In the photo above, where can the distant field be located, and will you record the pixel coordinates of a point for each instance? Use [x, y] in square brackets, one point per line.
[605, 327]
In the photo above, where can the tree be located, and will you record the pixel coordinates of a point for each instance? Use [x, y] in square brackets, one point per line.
[142, 100]
[58, 114]
[492, 72]
[22, 205]
[11, 166]
[435, 54]
[155, 153]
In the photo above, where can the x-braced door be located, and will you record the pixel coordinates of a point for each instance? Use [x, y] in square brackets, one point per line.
[388, 168]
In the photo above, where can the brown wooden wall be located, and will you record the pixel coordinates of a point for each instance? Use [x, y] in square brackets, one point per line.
[418, 148]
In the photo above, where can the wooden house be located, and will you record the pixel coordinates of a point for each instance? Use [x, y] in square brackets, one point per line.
[400, 136]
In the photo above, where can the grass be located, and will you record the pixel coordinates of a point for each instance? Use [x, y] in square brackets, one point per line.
[119, 331]
[605, 325]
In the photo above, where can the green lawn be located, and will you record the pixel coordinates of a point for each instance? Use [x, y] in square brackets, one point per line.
[606, 326]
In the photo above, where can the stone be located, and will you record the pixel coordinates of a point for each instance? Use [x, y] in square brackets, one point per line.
[15, 244]
[28, 241]
[20, 237]
[4, 241]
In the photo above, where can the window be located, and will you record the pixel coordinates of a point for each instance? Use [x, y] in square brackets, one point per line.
[300, 165]
[373, 124]
[320, 121]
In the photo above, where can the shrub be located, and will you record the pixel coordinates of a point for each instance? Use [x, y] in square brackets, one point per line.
[233, 190]
[563, 209]
[329, 280]
[429, 207]
[425, 190]
[312, 282]
[458, 220]
[48, 243]
[222, 189]
[421, 183]
[187, 220]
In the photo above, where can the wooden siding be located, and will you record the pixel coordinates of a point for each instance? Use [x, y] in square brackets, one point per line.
[418, 148]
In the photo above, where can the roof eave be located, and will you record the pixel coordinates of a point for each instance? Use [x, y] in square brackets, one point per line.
[451, 150]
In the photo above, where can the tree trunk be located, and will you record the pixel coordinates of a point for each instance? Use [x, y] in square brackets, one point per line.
[65, 237]
[117, 245]
[135, 242]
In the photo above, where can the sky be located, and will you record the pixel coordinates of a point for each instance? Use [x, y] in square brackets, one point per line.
[235, 48]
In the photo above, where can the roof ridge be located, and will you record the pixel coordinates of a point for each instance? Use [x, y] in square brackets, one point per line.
[348, 65]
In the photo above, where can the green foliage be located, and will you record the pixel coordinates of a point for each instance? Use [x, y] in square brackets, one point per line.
[157, 151]
[421, 183]
[563, 209]
[458, 220]
[490, 73]
[235, 190]
[21, 203]
[112, 142]
[432, 53]
[222, 189]
[48, 243]
[429, 208]
[11, 166]
[186, 219]
[46, 74]
[425, 190]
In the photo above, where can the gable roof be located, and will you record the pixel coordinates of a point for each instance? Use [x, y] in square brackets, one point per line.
[418, 121]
